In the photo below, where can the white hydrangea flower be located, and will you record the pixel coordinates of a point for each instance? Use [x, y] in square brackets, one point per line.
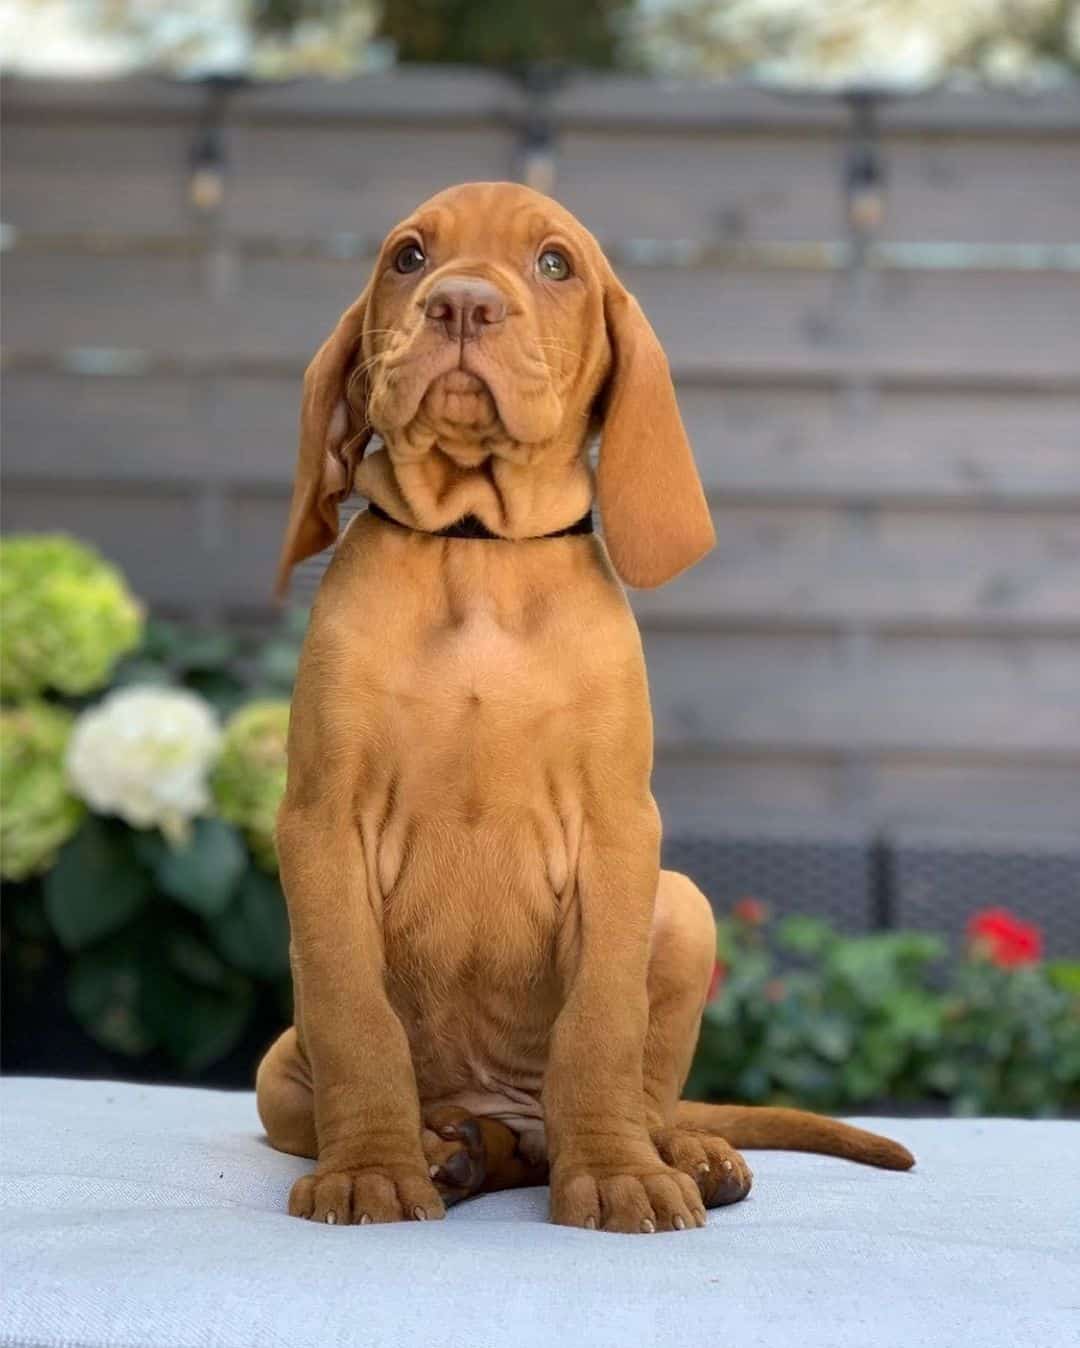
[144, 753]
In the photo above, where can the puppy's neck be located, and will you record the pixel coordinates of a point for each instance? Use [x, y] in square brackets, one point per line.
[516, 491]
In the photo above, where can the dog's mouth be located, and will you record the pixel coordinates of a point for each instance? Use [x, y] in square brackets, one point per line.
[473, 391]
[460, 400]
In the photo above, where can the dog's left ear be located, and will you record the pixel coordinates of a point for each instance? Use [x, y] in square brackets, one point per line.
[334, 433]
[655, 516]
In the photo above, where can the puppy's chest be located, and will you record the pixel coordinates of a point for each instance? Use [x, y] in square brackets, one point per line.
[473, 697]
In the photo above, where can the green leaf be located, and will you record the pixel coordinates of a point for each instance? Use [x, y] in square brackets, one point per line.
[202, 873]
[1065, 974]
[193, 959]
[194, 1023]
[223, 690]
[278, 661]
[832, 1037]
[96, 885]
[804, 935]
[102, 992]
[295, 623]
[205, 651]
[253, 932]
[161, 640]
[140, 671]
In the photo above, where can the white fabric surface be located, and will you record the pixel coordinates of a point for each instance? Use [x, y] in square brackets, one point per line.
[144, 1216]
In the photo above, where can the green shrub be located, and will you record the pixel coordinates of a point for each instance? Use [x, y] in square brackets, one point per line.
[249, 780]
[66, 617]
[38, 813]
[831, 1022]
[506, 33]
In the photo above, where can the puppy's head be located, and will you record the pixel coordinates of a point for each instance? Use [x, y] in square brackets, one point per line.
[492, 325]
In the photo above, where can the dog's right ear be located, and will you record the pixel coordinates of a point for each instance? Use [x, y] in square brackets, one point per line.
[334, 432]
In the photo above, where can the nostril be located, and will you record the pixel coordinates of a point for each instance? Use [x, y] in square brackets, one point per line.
[490, 311]
[439, 308]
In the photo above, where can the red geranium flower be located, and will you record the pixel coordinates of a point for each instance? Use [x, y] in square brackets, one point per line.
[1003, 939]
[751, 911]
[719, 972]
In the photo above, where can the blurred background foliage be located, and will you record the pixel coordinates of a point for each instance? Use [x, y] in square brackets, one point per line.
[795, 42]
[507, 34]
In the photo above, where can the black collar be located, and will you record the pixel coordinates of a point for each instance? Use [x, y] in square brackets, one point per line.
[470, 527]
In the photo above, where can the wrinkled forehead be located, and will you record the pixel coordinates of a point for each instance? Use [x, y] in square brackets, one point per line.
[491, 219]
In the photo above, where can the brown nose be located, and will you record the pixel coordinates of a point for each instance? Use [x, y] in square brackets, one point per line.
[465, 306]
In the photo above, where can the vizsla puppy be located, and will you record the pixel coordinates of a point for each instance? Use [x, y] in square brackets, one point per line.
[495, 982]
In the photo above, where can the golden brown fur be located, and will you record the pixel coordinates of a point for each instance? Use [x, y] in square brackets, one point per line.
[494, 980]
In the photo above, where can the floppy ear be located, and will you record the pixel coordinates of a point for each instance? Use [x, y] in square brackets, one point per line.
[333, 435]
[656, 519]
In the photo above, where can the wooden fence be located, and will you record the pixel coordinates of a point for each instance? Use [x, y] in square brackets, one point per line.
[888, 633]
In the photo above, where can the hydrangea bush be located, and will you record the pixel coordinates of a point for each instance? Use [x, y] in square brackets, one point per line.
[38, 812]
[142, 766]
[249, 780]
[66, 617]
[137, 836]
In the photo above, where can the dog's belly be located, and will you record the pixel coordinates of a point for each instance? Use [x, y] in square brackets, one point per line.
[475, 862]
[470, 929]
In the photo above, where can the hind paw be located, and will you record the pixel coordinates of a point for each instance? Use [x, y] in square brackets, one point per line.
[719, 1171]
[454, 1147]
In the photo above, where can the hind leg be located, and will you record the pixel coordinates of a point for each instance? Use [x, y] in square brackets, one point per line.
[284, 1099]
[680, 969]
[465, 1155]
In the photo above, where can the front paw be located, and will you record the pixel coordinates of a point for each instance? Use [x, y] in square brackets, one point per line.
[635, 1199]
[377, 1193]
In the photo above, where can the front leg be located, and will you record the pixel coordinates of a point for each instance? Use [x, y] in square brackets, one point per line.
[371, 1165]
[370, 1161]
[605, 1171]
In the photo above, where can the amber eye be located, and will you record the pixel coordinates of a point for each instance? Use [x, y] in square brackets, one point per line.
[553, 265]
[409, 258]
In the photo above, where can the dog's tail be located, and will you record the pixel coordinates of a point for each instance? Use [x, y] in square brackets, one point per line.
[752, 1127]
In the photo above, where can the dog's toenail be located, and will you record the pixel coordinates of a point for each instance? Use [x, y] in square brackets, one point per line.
[704, 1167]
[700, 1219]
[679, 1223]
[365, 1220]
[648, 1227]
[433, 1170]
[590, 1223]
[449, 1131]
[419, 1213]
[728, 1165]
[331, 1218]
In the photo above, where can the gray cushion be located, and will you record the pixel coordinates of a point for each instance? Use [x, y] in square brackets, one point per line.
[145, 1216]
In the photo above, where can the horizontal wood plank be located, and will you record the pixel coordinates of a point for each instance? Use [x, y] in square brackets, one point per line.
[757, 187]
[711, 322]
[84, 176]
[836, 795]
[878, 566]
[197, 553]
[773, 445]
[814, 694]
[890, 445]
